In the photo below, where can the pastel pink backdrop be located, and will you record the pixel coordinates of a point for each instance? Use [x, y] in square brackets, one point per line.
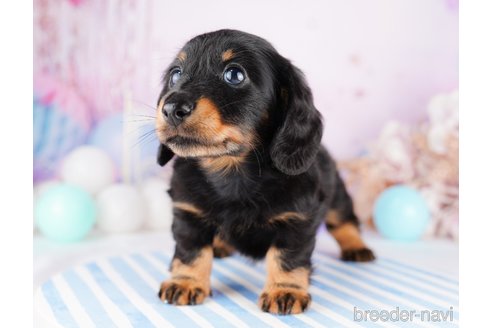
[366, 61]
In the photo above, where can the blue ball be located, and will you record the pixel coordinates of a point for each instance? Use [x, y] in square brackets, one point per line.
[401, 213]
[65, 213]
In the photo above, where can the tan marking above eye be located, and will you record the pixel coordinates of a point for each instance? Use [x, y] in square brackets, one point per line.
[227, 55]
[182, 56]
[188, 207]
[285, 216]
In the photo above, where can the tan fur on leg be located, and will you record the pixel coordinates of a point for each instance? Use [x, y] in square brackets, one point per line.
[285, 292]
[222, 248]
[353, 247]
[189, 283]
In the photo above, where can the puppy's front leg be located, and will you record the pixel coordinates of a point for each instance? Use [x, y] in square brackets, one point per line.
[286, 287]
[192, 262]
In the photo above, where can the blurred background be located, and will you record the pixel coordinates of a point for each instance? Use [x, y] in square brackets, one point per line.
[384, 74]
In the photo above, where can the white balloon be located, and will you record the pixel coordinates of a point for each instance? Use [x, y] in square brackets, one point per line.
[158, 202]
[39, 191]
[120, 208]
[88, 167]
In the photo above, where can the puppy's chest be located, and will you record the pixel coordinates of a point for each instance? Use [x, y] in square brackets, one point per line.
[234, 187]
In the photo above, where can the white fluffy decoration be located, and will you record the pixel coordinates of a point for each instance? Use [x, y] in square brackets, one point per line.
[88, 167]
[121, 208]
[158, 203]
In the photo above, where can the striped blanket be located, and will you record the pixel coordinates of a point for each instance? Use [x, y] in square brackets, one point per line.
[121, 291]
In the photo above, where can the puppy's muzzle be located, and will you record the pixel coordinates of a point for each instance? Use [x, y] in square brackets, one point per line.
[176, 110]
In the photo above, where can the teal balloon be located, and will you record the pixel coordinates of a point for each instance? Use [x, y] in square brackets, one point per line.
[401, 213]
[65, 213]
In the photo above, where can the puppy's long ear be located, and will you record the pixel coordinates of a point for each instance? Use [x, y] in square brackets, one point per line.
[296, 142]
[164, 155]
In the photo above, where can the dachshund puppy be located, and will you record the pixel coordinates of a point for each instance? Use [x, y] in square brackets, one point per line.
[250, 174]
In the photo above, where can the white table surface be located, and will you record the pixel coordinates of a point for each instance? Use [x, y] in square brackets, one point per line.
[51, 257]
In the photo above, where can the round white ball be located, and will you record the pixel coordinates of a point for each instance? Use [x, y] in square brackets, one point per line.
[39, 191]
[158, 202]
[120, 208]
[88, 167]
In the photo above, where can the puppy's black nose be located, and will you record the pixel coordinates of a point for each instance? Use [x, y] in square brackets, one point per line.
[176, 112]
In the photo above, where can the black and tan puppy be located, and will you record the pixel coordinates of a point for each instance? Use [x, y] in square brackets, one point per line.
[250, 173]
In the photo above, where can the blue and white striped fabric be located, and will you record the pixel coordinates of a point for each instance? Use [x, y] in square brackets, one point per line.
[122, 292]
[55, 134]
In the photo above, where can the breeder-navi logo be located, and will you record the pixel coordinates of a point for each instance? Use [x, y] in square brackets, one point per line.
[403, 315]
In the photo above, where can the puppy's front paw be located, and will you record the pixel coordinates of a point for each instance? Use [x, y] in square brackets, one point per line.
[183, 292]
[284, 301]
[358, 255]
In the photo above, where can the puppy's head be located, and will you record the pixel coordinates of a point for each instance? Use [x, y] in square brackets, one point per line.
[226, 92]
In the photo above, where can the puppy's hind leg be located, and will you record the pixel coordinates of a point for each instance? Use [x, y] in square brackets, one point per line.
[222, 248]
[343, 225]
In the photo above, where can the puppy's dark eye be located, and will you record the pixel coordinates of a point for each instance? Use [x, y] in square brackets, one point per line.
[175, 75]
[234, 75]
